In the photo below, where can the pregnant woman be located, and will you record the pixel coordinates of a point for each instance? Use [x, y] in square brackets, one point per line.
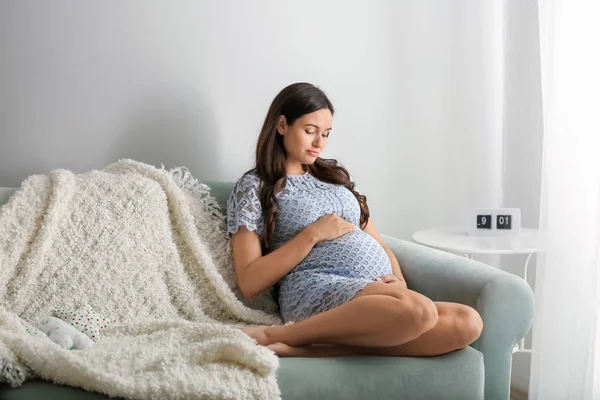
[297, 222]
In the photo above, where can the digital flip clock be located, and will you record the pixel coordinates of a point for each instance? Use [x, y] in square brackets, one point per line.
[495, 222]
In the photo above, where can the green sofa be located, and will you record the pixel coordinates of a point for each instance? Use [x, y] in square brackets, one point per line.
[504, 301]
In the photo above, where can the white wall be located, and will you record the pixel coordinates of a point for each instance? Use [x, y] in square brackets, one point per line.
[446, 129]
[188, 83]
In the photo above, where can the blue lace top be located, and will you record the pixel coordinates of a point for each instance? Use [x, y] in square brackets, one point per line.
[334, 270]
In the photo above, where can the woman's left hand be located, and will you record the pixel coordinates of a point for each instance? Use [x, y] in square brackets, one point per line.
[391, 279]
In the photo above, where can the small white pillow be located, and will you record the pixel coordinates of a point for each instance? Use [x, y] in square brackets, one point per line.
[32, 330]
[85, 320]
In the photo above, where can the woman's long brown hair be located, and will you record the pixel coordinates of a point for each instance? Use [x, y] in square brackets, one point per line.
[293, 102]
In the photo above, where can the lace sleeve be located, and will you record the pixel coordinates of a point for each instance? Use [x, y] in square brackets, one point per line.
[243, 206]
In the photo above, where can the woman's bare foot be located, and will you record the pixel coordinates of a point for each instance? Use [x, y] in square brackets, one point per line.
[318, 350]
[284, 350]
[258, 333]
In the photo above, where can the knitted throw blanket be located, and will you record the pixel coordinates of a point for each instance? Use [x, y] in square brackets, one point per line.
[146, 247]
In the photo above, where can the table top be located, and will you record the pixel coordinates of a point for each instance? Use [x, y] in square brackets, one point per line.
[457, 239]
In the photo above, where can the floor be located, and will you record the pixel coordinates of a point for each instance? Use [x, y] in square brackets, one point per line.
[516, 394]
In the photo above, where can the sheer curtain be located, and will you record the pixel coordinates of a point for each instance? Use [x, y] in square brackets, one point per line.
[566, 332]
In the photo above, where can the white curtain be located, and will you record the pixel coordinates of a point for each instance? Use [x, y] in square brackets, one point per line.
[566, 332]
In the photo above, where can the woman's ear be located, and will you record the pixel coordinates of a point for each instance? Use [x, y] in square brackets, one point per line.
[281, 125]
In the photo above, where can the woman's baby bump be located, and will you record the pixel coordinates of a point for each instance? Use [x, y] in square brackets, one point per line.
[354, 255]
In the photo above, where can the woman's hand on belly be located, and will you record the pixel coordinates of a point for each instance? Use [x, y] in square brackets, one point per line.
[354, 255]
[392, 280]
[330, 227]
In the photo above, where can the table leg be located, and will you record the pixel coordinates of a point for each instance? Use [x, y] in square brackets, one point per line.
[526, 266]
[521, 345]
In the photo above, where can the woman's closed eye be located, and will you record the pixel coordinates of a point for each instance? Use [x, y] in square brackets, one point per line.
[325, 135]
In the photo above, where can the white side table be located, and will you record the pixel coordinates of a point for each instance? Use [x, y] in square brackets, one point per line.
[458, 240]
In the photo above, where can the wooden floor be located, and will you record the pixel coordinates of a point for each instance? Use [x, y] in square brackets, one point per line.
[516, 394]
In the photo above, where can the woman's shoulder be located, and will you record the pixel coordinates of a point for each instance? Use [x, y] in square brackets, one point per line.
[245, 191]
[337, 164]
[243, 206]
[249, 179]
[247, 185]
[332, 162]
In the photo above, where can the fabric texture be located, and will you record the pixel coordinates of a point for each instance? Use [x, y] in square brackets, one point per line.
[334, 270]
[146, 247]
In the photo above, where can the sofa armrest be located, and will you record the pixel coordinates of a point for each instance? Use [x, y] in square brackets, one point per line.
[504, 301]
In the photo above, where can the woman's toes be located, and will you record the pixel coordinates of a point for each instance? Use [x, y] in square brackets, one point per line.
[258, 334]
[284, 350]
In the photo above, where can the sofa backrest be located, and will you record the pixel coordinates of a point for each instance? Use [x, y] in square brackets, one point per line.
[5, 193]
[220, 190]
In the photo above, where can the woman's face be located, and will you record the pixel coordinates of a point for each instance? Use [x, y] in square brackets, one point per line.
[305, 139]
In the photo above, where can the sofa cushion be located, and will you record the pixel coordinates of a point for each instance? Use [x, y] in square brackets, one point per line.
[38, 389]
[458, 375]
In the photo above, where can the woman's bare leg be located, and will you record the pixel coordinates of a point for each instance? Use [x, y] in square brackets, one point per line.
[458, 326]
[387, 317]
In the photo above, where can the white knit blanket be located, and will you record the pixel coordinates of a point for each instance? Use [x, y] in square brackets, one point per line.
[146, 247]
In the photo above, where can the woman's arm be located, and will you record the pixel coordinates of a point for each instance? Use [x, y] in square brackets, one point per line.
[255, 272]
[371, 230]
